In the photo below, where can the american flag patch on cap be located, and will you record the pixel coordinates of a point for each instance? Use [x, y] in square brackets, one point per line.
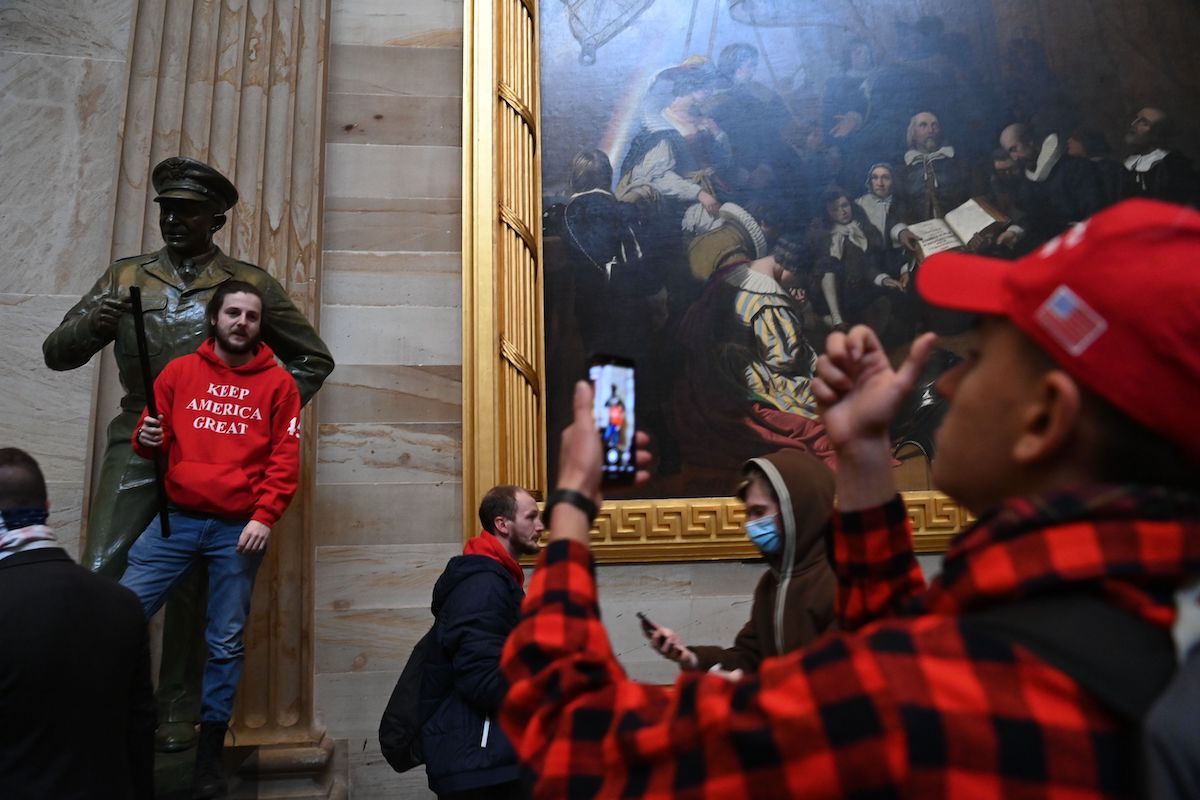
[1069, 321]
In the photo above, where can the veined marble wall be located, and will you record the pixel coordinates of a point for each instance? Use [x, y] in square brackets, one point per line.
[62, 100]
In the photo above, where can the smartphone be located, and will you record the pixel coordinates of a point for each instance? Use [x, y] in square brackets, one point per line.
[648, 627]
[614, 412]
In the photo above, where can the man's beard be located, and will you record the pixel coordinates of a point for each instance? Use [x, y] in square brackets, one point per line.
[236, 348]
[528, 548]
[1139, 143]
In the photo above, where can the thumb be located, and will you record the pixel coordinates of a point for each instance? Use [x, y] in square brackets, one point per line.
[918, 355]
[584, 395]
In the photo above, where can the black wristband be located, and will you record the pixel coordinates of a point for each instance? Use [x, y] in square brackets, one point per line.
[571, 498]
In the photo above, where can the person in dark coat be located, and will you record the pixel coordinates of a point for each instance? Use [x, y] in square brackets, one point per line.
[935, 181]
[848, 275]
[76, 704]
[1058, 190]
[476, 602]
[1153, 169]
[789, 500]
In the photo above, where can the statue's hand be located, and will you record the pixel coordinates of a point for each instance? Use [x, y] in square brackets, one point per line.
[104, 317]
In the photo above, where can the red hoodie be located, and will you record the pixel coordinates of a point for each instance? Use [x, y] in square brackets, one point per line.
[231, 434]
[487, 544]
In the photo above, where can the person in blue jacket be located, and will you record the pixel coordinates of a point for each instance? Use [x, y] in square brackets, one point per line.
[476, 602]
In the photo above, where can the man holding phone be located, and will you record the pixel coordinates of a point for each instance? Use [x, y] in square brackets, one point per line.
[1070, 432]
[789, 498]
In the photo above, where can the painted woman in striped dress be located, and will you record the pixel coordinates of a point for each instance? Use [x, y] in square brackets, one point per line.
[747, 365]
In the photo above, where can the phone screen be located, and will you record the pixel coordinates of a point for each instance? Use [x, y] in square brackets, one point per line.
[613, 411]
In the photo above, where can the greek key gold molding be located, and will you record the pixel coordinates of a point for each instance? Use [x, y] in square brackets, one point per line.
[710, 528]
[503, 356]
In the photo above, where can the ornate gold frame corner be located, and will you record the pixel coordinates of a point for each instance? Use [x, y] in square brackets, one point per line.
[504, 405]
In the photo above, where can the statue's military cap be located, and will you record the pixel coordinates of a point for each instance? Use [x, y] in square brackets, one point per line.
[188, 179]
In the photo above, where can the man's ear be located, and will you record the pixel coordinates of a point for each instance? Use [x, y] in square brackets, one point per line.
[1051, 419]
[500, 524]
[218, 222]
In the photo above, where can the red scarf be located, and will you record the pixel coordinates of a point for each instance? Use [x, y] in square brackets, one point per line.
[486, 544]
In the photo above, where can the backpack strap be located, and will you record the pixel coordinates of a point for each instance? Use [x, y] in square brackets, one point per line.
[1122, 660]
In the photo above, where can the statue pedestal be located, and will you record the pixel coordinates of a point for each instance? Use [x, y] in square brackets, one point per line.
[302, 771]
[310, 771]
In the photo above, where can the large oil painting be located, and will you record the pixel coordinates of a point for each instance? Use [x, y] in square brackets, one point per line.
[725, 182]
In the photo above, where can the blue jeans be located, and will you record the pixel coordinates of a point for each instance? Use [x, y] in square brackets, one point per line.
[156, 565]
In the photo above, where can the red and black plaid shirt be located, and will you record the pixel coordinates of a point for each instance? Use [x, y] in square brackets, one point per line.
[907, 700]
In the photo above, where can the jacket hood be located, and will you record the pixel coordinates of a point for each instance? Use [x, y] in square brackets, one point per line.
[458, 569]
[264, 358]
[804, 487]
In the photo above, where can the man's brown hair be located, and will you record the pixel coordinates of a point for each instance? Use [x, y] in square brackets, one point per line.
[500, 501]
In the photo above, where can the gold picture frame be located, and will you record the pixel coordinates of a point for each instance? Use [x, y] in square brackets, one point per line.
[504, 406]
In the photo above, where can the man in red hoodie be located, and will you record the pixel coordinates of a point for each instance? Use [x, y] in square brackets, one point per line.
[229, 426]
[477, 602]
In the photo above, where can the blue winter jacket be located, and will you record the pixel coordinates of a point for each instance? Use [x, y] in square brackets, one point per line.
[476, 603]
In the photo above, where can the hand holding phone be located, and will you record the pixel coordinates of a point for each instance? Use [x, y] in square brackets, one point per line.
[667, 643]
[613, 409]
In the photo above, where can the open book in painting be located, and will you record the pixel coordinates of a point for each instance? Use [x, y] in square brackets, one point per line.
[959, 226]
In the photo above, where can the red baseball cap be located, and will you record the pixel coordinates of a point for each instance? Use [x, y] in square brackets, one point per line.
[1115, 301]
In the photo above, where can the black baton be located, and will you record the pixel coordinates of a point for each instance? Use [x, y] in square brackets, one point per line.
[139, 326]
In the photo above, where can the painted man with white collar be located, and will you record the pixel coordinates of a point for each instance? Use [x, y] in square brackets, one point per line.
[935, 180]
[1152, 168]
[1059, 189]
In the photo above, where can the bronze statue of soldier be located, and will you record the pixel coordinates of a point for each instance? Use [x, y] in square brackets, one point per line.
[176, 283]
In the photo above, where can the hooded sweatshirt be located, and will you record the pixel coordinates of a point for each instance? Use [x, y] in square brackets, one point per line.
[231, 435]
[794, 603]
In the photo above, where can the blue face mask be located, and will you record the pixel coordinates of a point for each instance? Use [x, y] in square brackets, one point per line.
[764, 534]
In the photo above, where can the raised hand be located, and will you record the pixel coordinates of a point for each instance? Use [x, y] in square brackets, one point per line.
[858, 393]
[579, 464]
[856, 388]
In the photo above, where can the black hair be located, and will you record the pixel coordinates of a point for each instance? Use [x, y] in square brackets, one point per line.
[829, 196]
[217, 301]
[22, 484]
[500, 501]
[591, 169]
[733, 56]
[790, 251]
